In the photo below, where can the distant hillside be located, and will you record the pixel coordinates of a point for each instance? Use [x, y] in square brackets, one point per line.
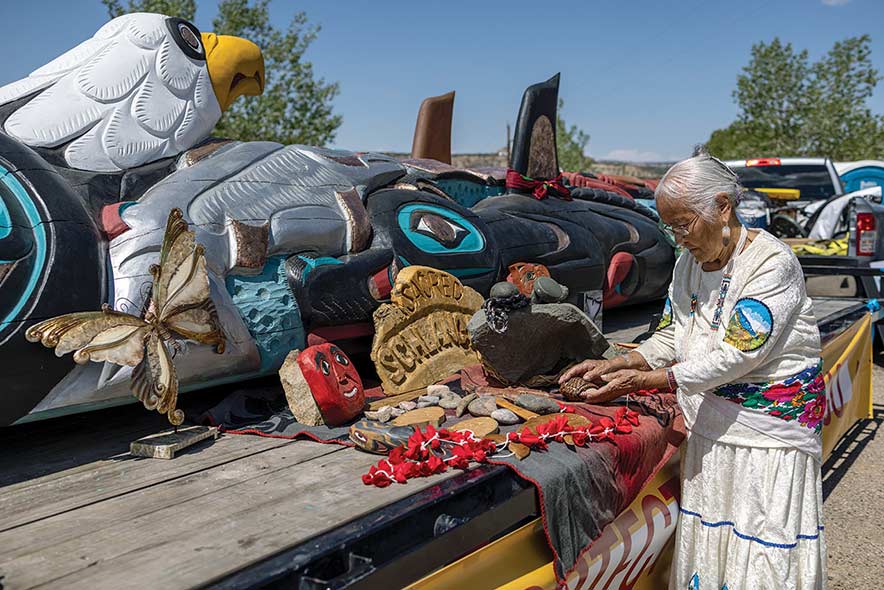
[640, 169]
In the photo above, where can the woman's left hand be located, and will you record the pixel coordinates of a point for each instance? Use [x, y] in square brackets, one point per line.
[616, 384]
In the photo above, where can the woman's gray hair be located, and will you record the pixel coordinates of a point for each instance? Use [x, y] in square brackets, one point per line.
[696, 181]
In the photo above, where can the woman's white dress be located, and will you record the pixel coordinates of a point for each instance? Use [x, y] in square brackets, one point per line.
[753, 400]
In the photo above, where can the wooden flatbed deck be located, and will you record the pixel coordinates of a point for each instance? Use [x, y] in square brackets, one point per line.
[77, 511]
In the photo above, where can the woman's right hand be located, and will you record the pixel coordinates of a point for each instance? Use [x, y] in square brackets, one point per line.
[589, 370]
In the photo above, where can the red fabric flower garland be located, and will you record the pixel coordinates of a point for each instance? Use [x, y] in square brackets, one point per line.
[422, 455]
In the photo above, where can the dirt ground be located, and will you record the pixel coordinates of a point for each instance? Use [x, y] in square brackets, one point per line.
[853, 492]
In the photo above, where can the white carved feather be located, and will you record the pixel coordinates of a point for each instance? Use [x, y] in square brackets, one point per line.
[123, 98]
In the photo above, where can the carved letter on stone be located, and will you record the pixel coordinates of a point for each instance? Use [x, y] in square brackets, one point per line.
[421, 337]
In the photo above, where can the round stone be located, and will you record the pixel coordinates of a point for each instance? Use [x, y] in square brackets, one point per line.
[381, 415]
[440, 390]
[503, 289]
[504, 416]
[482, 406]
[449, 402]
[537, 403]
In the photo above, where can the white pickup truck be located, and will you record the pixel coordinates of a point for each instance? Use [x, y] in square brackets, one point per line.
[797, 198]
[804, 198]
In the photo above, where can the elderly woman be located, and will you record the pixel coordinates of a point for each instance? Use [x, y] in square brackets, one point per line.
[739, 343]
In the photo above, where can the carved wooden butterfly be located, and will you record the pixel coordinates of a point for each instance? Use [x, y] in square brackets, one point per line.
[179, 305]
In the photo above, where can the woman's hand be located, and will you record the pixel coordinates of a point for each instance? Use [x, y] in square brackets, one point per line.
[592, 370]
[616, 384]
[588, 370]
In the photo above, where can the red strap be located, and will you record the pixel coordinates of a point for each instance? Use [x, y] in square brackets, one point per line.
[539, 188]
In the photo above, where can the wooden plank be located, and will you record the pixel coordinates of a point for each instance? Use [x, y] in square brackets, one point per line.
[47, 496]
[42, 449]
[196, 529]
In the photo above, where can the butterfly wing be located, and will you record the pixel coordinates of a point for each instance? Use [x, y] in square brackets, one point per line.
[98, 336]
[181, 286]
[198, 323]
[180, 279]
[154, 380]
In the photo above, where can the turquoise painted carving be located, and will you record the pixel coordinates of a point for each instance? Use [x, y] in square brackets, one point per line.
[33, 216]
[314, 262]
[467, 192]
[270, 312]
[473, 241]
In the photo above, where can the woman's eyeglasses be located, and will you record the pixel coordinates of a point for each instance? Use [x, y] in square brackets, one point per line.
[683, 229]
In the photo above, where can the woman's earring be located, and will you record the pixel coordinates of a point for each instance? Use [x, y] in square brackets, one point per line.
[726, 234]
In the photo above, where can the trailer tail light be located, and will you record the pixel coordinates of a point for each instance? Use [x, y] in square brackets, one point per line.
[866, 234]
[763, 162]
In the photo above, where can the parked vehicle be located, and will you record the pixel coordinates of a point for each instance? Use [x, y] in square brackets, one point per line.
[861, 174]
[807, 204]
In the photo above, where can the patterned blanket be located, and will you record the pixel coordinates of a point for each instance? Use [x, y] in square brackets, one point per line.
[582, 489]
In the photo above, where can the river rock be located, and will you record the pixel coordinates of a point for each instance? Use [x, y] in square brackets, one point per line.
[439, 390]
[503, 289]
[482, 406]
[537, 403]
[398, 412]
[463, 403]
[540, 339]
[546, 290]
[449, 402]
[408, 406]
[504, 416]
[428, 399]
[382, 415]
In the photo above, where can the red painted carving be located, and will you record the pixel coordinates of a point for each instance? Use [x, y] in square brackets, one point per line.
[334, 382]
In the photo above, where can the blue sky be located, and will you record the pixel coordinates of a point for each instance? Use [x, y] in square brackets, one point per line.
[646, 79]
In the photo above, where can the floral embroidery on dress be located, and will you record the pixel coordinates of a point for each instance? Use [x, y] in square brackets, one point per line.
[801, 397]
[749, 326]
[666, 318]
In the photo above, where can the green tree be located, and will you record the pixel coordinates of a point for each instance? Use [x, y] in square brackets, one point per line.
[790, 107]
[571, 144]
[840, 124]
[185, 9]
[296, 106]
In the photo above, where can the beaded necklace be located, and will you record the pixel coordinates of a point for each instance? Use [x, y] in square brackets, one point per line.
[722, 288]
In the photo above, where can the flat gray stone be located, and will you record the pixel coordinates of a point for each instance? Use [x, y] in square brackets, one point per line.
[482, 406]
[439, 390]
[541, 339]
[464, 402]
[381, 415]
[505, 416]
[428, 399]
[449, 402]
[537, 403]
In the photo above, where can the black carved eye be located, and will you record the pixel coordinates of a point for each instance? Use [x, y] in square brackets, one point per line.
[339, 357]
[187, 37]
[445, 231]
[322, 363]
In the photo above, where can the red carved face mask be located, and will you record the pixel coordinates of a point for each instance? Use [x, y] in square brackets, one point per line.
[334, 382]
[523, 275]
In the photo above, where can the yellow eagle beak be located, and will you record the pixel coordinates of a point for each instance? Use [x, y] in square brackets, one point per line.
[236, 67]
